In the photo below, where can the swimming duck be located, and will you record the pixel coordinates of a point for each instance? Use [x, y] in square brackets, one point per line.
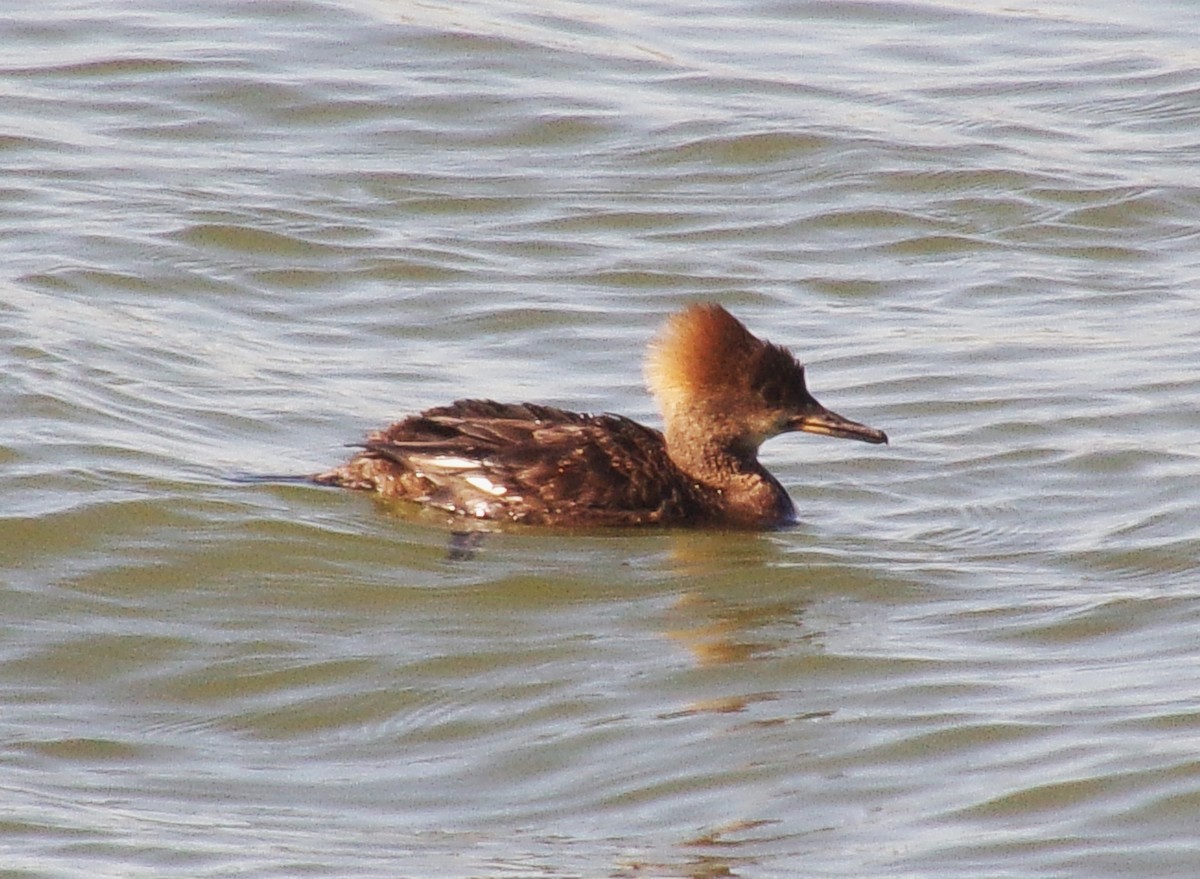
[722, 391]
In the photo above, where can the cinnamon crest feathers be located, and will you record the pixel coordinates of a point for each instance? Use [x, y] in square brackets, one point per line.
[723, 392]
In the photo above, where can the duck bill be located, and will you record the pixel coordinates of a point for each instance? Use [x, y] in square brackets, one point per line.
[821, 421]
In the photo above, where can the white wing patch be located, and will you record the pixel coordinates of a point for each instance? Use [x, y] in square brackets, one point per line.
[451, 475]
[484, 484]
[450, 462]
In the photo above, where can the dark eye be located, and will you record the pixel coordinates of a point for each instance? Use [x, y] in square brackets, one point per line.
[772, 393]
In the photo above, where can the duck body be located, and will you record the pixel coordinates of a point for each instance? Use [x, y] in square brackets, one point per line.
[527, 463]
[722, 390]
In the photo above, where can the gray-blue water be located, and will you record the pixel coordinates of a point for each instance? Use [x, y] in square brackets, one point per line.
[235, 236]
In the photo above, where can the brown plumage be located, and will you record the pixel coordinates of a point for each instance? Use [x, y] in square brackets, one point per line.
[723, 392]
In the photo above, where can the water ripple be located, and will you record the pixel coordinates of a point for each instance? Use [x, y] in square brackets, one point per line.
[237, 236]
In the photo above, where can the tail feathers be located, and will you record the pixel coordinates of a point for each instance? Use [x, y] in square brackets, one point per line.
[333, 477]
[344, 476]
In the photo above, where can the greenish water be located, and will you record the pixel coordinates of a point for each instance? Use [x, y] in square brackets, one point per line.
[236, 236]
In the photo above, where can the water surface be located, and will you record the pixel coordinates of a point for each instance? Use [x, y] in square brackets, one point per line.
[236, 236]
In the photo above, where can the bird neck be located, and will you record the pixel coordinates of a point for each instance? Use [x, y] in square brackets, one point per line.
[729, 465]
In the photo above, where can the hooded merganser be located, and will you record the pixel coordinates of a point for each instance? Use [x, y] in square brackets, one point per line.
[723, 392]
